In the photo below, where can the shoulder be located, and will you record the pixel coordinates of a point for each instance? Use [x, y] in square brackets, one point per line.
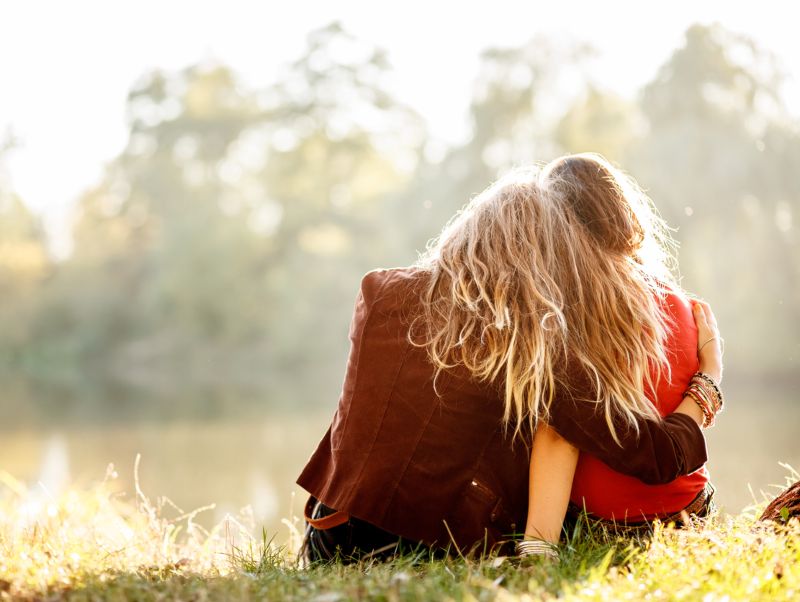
[393, 287]
[677, 304]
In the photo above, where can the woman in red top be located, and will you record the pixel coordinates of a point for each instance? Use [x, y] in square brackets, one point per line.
[614, 496]
[559, 473]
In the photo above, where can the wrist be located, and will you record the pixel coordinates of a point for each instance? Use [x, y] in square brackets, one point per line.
[705, 392]
[713, 369]
[690, 408]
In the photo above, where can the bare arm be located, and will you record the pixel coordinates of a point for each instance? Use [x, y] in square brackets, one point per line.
[709, 353]
[553, 462]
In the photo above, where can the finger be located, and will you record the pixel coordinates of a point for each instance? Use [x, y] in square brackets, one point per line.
[708, 315]
[699, 315]
[712, 319]
[704, 332]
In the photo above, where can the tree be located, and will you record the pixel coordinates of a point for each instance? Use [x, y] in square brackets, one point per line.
[601, 122]
[517, 96]
[25, 263]
[232, 213]
[716, 158]
[339, 145]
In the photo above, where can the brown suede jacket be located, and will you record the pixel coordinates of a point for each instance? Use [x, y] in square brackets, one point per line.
[436, 466]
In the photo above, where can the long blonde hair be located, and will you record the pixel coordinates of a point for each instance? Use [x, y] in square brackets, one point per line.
[548, 267]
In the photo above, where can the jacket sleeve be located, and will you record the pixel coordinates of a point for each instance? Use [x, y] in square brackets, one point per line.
[661, 451]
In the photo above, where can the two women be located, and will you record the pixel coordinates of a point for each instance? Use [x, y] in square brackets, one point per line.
[540, 304]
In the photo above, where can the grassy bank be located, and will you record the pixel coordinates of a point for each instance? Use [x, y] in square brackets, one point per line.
[101, 544]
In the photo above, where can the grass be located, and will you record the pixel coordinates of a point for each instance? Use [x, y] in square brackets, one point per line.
[96, 544]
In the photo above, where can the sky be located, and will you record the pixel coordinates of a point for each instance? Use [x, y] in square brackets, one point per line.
[66, 67]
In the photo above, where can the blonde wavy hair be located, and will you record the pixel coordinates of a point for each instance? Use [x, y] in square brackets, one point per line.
[553, 266]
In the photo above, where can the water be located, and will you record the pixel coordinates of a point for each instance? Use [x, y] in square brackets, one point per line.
[235, 450]
[229, 448]
[757, 431]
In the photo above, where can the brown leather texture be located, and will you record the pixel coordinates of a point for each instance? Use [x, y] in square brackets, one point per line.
[434, 465]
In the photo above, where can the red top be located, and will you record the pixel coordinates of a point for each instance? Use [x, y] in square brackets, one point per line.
[610, 494]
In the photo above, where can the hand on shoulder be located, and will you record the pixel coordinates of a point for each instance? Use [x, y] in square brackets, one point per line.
[709, 342]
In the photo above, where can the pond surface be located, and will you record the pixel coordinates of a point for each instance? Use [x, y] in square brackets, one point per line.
[239, 451]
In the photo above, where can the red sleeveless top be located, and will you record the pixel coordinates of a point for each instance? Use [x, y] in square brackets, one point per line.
[610, 494]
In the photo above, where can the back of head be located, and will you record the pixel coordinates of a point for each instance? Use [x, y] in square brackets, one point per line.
[549, 267]
[612, 208]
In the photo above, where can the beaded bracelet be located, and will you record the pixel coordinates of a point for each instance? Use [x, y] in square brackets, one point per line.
[705, 392]
[709, 392]
[706, 378]
[536, 547]
[707, 384]
[704, 404]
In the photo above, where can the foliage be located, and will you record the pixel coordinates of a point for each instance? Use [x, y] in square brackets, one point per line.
[236, 223]
[715, 159]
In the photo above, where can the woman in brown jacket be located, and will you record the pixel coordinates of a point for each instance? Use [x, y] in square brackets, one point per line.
[525, 309]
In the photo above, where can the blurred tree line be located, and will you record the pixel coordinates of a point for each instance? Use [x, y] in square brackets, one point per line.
[226, 241]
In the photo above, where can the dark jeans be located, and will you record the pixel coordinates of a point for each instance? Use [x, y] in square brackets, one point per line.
[352, 541]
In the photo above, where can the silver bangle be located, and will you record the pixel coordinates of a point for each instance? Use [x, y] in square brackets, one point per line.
[536, 547]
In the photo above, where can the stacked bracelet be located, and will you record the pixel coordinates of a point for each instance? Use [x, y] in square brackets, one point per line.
[536, 547]
[705, 392]
[710, 382]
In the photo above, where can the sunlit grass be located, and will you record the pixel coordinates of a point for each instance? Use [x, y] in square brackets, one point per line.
[61, 542]
[98, 544]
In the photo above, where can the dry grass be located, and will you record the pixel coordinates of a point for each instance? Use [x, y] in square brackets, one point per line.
[97, 544]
